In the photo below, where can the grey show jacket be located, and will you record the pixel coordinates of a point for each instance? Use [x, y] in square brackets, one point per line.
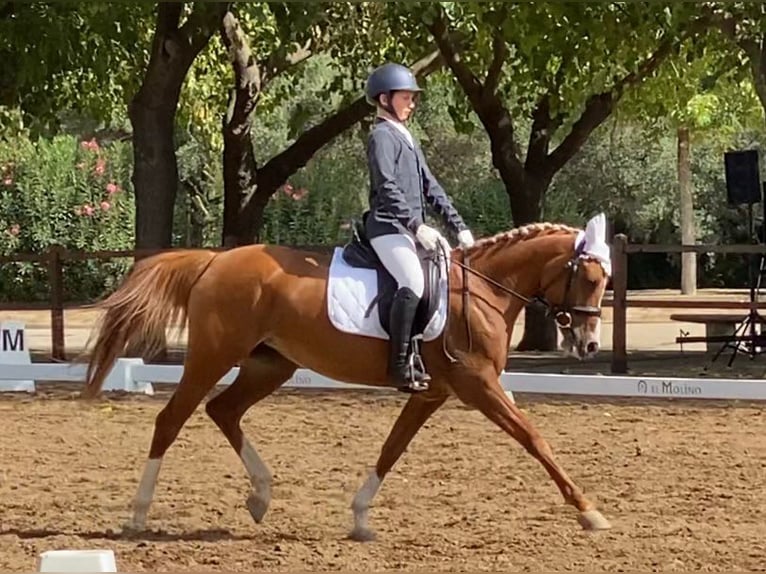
[399, 182]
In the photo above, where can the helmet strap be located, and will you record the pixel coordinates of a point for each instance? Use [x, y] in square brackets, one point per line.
[389, 107]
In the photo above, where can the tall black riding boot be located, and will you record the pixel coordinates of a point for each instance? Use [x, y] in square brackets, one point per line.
[405, 374]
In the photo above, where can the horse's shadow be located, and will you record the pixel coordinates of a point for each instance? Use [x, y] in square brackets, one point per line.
[206, 535]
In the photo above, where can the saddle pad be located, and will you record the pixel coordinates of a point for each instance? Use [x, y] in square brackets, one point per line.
[350, 290]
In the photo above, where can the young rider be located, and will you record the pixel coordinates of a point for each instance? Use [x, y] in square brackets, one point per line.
[400, 185]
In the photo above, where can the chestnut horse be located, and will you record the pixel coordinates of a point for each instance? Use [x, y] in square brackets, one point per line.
[264, 308]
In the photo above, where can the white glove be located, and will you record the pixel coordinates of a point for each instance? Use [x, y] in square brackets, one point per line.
[465, 238]
[428, 237]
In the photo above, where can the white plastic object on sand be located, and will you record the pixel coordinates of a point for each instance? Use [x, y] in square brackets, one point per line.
[77, 561]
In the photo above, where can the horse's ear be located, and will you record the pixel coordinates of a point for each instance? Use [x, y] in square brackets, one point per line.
[595, 230]
[595, 244]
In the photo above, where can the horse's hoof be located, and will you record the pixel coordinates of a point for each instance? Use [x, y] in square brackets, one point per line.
[593, 520]
[361, 534]
[257, 507]
[132, 528]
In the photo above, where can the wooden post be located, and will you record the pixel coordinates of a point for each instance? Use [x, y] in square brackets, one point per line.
[55, 276]
[619, 305]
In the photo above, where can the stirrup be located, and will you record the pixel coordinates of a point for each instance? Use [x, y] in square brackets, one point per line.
[418, 383]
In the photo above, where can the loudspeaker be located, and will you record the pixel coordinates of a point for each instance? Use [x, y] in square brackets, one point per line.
[743, 181]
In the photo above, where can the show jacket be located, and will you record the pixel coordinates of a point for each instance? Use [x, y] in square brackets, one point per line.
[399, 182]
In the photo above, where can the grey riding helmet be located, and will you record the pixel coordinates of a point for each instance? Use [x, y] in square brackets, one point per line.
[389, 78]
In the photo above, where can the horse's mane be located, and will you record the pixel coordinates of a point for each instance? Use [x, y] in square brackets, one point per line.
[517, 235]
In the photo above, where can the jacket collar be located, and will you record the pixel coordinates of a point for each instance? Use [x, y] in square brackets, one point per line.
[391, 127]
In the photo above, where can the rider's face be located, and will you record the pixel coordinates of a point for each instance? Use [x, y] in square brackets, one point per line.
[403, 102]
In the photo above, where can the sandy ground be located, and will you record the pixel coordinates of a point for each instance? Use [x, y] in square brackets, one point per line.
[681, 482]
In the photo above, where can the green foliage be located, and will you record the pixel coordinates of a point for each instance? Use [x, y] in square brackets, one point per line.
[199, 203]
[84, 56]
[567, 50]
[630, 173]
[69, 193]
[704, 87]
[317, 204]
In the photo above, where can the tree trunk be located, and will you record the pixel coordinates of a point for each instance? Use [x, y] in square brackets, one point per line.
[540, 331]
[155, 173]
[152, 115]
[527, 182]
[240, 179]
[686, 200]
[248, 187]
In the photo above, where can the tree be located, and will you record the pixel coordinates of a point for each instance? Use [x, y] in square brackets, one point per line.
[701, 94]
[743, 24]
[152, 114]
[114, 63]
[561, 67]
[289, 34]
[62, 58]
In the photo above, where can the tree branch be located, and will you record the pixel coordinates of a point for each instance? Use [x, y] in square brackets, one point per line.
[278, 62]
[297, 155]
[597, 110]
[499, 54]
[246, 71]
[465, 77]
[540, 134]
[755, 54]
[203, 21]
[666, 47]
[600, 106]
[168, 17]
[485, 103]
[278, 168]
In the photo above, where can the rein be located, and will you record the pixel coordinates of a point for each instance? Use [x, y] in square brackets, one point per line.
[562, 313]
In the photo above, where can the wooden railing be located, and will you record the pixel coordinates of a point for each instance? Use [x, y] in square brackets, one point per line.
[55, 257]
[619, 302]
[54, 260]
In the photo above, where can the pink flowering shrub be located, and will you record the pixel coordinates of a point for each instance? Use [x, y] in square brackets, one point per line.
[66, 192]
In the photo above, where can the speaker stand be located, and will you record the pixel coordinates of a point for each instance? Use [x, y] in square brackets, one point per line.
[747, 339]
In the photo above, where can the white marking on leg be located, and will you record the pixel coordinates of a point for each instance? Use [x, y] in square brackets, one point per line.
[597, 331]
[361, 505]
[260, 477]
[145, 492]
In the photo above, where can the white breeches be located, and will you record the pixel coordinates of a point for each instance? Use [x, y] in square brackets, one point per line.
[398, 255]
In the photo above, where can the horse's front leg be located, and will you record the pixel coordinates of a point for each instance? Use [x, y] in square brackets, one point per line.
[484, 392]
[413, 416]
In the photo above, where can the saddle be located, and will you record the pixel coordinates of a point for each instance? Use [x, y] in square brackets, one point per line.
[358, 252]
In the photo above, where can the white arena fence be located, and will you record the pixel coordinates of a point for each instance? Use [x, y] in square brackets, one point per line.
[134, 376]
[19, 374]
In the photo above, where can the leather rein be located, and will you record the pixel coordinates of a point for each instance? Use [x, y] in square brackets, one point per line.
[561, 313]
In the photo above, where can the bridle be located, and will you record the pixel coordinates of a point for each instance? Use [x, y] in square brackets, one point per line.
[563, 314]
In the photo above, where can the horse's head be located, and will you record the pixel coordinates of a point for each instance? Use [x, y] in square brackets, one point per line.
[573, 284]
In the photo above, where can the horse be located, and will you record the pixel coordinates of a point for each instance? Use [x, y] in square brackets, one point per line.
[265, 308]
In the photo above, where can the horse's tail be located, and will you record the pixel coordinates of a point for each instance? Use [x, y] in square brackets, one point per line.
[154, 295]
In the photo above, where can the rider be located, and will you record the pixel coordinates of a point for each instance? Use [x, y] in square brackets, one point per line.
[400, 181]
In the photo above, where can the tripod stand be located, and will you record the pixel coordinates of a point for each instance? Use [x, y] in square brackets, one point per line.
[751, 342]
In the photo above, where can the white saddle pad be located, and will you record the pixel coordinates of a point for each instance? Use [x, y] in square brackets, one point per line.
[350, 290]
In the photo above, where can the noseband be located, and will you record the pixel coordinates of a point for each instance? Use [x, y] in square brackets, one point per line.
[562, 314]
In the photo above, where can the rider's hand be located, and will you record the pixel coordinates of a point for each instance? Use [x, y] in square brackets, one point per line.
[428, 237]
[465, 238]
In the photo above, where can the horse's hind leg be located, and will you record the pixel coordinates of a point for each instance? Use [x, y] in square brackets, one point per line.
[486, 394]
[201, 373]
[259, 376]
[415, 413]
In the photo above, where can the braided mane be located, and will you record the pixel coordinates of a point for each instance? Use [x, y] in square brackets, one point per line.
[517, 235]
